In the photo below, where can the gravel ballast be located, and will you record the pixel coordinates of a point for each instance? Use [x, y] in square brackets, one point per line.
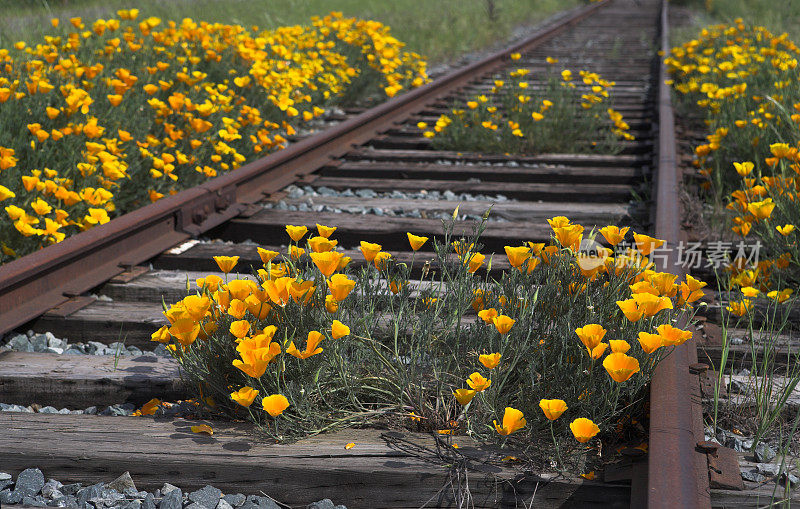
[30, 489]
[47, 342]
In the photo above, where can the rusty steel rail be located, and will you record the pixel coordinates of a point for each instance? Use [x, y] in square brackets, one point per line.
[677, 471]
[59, 274]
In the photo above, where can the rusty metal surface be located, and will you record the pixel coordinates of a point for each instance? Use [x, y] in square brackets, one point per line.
[677, 472]
[45, 279]
[723, 467]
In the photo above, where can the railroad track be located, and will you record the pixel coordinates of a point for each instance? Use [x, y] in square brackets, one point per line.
[391, 171]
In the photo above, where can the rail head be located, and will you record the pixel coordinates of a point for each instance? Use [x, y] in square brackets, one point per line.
[677, 472]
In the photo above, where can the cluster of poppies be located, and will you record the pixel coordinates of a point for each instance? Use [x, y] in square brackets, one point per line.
[103, 117]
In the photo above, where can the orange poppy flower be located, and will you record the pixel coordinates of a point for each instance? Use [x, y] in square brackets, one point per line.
[583, 429]
[621, 366]
[552, 408]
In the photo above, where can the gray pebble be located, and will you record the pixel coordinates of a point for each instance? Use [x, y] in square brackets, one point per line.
[764, 453]
[325, 504]
[769, 468]
[122, 483]
[117, 347]
[235, 500]
[10, 497]
[89, 492]
[261, 502]
[33, 502]
[20, 343]
[4, 476]
[67, 501]
[148, 502]
[74, 351]
[5, 483]
[107, 497]
[752, 475]
[123, 409]
[50, 490]
[54, 342]
[39, 342]
[70, 489]
[167, 488]
[29, 482]
[133, 504]
[222, 504]
[172, 500]
[207, 497]
[52, 349]
[92, 410]
[134, 351]
[48, 410]
[366, 193]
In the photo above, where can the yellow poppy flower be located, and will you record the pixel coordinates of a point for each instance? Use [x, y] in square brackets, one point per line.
[614, 234]
[598, 351]
[321, 244]
[672, 335]
[503, 323]
[513, 420]
[780, 296]
[517, 255]
[552, 408]
[381, 260]
[416, 241]
[620, 366]
[244, 396]
[226, 263]
[266, 255]
[488, 315]
[744, 169]
[327, 262]
[370, 250]
[275, 404]
[296, 232]
[331, 304]
[464, 396]
[591, 335]
[650, 342]
[583, 429]
[619, 346]
[491, 360]
[477, 382]
[240, 328]
[312, 346]
[325, 231]
[339, 330]
[340, 286]
[646, 244]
